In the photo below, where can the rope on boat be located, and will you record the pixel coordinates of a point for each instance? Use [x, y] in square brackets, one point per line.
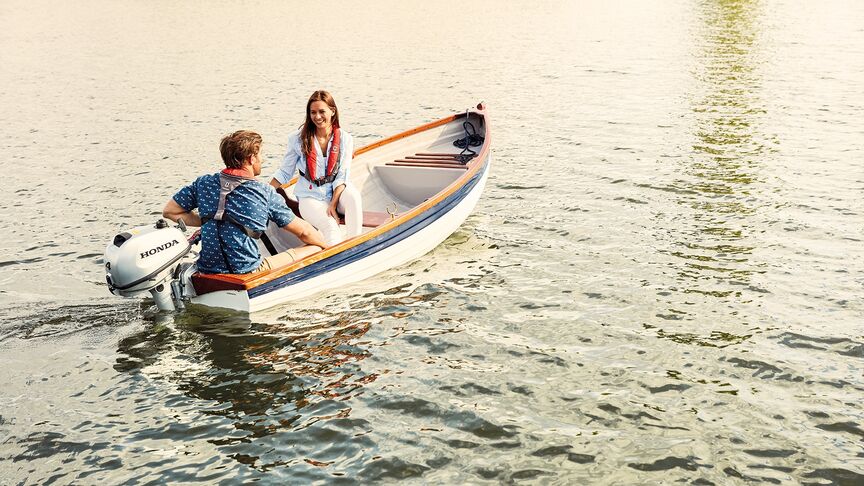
[471, 139]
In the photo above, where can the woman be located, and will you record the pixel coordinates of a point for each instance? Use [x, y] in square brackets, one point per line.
[322, 153]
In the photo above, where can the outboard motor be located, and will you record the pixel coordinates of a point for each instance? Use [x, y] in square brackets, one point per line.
[149, 259]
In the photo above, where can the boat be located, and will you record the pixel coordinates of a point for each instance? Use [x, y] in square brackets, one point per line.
[418, 187]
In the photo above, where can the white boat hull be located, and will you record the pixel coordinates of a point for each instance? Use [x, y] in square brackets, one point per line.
[405, 250]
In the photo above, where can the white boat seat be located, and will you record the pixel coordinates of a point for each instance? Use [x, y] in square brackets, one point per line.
[413, 183]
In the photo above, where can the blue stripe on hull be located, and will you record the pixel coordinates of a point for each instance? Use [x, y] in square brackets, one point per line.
[373, 245]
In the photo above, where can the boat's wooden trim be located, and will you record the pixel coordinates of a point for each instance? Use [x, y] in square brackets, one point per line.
[433, 157]
[409, 163]
[408, 133]
[206, 283]
[251, 280]
[428, 161]
[409, 160]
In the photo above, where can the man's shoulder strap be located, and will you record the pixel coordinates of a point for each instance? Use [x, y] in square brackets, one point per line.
[227, 184]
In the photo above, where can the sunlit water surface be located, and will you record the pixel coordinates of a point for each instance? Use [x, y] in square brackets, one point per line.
[663, 282]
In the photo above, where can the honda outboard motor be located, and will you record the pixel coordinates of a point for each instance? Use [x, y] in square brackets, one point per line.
[148, 259]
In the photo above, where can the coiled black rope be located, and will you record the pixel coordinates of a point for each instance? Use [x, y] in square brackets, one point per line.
[471, 139]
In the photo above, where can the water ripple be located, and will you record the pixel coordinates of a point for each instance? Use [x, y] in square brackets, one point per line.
[661, 283]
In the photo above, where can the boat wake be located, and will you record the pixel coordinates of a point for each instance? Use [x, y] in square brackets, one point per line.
[46, 321]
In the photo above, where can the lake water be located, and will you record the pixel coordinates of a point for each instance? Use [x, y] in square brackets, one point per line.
[663, 281]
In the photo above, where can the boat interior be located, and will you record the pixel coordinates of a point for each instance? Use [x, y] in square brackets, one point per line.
[393, 175]
[397, 174]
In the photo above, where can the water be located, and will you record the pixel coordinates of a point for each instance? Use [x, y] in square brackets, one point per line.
[662, 282]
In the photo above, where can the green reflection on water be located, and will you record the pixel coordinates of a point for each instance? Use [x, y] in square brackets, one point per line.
[719, 179]
[724, 161]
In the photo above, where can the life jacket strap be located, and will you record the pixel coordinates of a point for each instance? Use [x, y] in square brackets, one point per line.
[333, 160]
[321, 180]
[227, 184]
[226, 218]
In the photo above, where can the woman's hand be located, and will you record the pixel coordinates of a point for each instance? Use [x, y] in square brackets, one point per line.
[331, 211]
[334, 203]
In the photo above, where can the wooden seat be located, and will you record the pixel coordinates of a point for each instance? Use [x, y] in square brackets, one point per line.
[371, 219]
[431, 160]
[409, 160]
[431, 157]
[439, 165]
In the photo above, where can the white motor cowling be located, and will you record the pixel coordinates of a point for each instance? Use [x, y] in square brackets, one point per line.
[144, 259]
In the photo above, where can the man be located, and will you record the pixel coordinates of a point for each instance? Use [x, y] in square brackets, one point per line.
[234, 209]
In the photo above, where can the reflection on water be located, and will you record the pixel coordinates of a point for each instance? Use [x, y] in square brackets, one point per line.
[273, 388]
[653, 289]
[719, 191]
[281, 387]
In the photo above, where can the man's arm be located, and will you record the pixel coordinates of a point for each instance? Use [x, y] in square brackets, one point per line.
[175, 212]
[305, 232]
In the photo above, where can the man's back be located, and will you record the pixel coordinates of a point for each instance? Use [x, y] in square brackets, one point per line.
[246, 207]
[225, 246]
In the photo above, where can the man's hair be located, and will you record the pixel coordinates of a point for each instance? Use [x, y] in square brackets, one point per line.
[238, 147]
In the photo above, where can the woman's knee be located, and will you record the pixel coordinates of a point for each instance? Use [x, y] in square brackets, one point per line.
[350, 200]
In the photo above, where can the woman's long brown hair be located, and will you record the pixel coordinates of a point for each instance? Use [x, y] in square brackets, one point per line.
[307, 130]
